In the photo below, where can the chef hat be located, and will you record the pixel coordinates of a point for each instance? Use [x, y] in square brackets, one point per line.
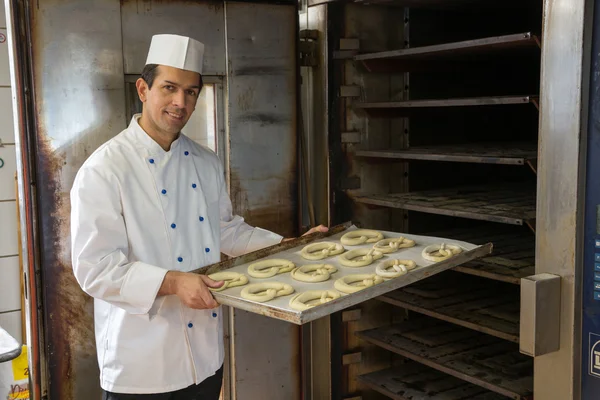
[176, 51]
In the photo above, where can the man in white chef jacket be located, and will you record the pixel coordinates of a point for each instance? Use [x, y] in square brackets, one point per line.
[147, 206]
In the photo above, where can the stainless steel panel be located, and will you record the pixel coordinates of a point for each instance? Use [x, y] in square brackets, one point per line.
[262, 114]
[559, 192]
[79, 104]
[540, 314]
[202, 20]
[262, 92]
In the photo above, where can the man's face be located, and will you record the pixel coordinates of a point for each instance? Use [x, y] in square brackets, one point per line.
[170, 102]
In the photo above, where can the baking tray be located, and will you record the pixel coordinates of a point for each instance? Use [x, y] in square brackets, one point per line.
[279, 308]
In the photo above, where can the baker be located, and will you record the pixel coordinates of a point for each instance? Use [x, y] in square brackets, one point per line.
[147, 207]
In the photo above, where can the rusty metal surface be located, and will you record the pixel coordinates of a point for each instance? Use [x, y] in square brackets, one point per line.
[202, 20]
[262, 69]
[79, 104]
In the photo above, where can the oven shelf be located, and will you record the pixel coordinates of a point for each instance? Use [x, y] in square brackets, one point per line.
[483, 305]
[414, 381]
[480, 359]
[481, 153]
[406, 108]
[508, 204]
[440, 55]
[512, 258]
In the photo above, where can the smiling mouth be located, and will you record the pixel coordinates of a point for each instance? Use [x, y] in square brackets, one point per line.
[175, 116]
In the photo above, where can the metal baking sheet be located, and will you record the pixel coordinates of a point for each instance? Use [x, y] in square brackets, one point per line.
[279, 307]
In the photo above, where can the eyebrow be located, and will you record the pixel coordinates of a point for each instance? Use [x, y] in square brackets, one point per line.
[177, 84]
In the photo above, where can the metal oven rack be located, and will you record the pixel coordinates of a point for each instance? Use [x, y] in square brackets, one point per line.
[418, 109]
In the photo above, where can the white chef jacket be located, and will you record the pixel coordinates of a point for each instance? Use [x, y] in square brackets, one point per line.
[136, 212]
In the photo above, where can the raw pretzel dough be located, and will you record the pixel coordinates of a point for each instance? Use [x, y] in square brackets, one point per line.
[354, 283]
[304, 301]
[269, 268]
[319, 251]
[232, 279]
[437, 252]
[360, 236]
[368, 256]
[392, 245]
[313, 272]
[394, 268]
[266, 291]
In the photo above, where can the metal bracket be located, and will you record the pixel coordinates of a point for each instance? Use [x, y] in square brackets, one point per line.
[351, 315]
[540, 314]
[308, 47]
[349, 91]
[352, 358]
[349, 183]
[351, 137]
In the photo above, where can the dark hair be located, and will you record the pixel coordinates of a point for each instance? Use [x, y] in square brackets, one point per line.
[149, 74]
[151, 70]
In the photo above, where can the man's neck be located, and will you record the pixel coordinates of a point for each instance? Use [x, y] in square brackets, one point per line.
[164, 140]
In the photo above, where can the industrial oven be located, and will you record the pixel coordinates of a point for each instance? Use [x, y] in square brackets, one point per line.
[466, 119]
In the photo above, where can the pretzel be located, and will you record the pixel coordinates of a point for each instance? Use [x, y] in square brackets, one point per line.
[354, 283]
[360, 236]
[313, 272]
[392, 245]
[319, 251]
[394, 268]
[265, 291]
[350, 259]
[269, 268]
[304, 301]
[437, 252]
[232, 279]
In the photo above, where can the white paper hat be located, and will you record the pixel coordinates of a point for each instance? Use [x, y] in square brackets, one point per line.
[176, 51]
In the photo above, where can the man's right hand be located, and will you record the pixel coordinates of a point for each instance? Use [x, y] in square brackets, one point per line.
[192, 289]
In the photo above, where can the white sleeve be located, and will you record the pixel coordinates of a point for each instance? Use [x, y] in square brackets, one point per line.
[237, 237]
[100, 247]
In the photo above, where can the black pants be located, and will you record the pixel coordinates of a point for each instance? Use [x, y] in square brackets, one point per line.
[209, 389]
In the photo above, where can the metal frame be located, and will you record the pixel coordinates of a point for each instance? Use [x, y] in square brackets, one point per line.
[565, 73]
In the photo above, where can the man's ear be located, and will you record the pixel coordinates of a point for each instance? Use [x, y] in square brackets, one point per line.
[142, 89]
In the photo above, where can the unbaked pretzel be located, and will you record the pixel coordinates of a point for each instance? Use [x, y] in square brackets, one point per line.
[319, 251]
[392, 245]
[349, 259]
[304, 301]
[437, 252]
[232, 279]
[354, 283]
[394, 268]
[269, 268]
[265, 291]
[313, 272]
[360, 236]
